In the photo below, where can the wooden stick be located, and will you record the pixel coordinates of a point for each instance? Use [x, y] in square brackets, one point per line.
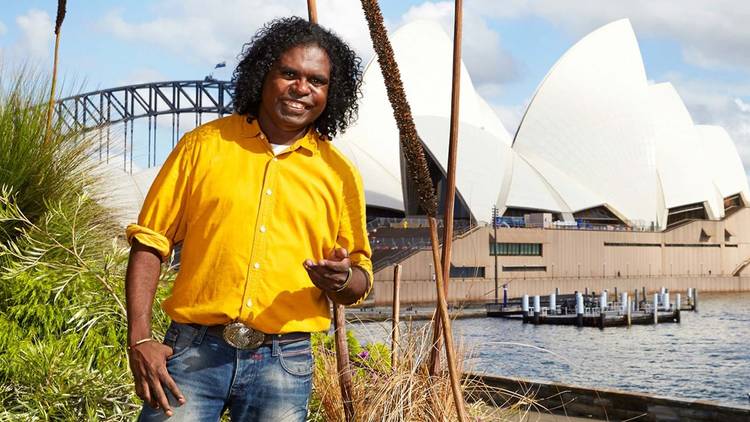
[395, 333]
[342, 361]
[339, 314]
[447, 333]
[61, 5]
[412, 149]
[312, 11]
[451, 178]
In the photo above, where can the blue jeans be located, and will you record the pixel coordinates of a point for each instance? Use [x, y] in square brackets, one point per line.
[271, 383]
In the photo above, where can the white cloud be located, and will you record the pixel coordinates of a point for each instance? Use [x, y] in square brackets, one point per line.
[481, 49]
[208, 35]
[720, 104]
[711, 34]
[743, 106]
[35, 42]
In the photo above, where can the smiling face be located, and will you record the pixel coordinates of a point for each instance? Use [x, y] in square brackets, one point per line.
[294, 93]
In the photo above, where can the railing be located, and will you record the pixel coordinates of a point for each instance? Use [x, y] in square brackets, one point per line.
[520, 223]
[414, 222]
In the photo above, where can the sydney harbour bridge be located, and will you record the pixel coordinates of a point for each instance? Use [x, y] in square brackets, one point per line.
[120, 118]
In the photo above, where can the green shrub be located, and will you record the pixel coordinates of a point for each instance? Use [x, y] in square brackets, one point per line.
[62, 315]
[38, 172]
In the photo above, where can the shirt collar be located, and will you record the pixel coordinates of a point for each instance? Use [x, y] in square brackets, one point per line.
[309, 141]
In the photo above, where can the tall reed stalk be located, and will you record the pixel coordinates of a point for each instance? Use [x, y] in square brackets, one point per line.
[413, 151]
[61, 7]
[339, 313]
[451, 176]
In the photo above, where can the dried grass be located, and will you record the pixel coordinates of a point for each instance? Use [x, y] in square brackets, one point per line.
[408, 392]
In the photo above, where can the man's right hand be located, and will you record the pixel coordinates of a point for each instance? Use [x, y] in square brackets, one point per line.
[148, 362]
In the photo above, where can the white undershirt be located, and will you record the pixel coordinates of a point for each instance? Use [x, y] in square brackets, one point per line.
[278, 149]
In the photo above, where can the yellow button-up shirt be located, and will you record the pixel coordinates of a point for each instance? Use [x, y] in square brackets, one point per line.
[247, 220]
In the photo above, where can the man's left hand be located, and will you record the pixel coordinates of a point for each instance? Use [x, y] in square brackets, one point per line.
[329, 274]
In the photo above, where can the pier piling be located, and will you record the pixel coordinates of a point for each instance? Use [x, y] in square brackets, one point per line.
[579, 309]
[695, 299]
[635, 298]
[628, 312]
[525, 307]
[553, 303]
[656, 308]
[537, 309]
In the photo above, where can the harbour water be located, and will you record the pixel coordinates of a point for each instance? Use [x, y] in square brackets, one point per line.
[705, 357]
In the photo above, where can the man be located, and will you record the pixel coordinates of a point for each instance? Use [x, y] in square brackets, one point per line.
[272, 222]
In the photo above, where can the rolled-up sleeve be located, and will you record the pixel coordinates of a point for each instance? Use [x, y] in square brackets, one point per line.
[162, 221]
[352, 233]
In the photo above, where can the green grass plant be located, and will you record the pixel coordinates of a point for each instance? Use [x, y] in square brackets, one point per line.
[38, 173]
[62, 261]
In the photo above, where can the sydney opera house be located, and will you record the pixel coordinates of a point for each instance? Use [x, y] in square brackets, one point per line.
[606, 183]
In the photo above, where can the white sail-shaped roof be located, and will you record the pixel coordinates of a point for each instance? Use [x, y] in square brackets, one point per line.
[480, 164]
[722, 159]
[424, 52]
[679, 154]
[382, 186]
[587, 120]
[373, 141]
[529, 190]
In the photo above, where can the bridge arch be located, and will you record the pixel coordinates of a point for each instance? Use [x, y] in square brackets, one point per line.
[102, 110]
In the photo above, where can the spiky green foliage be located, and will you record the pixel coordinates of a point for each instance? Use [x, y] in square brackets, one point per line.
[62, 319]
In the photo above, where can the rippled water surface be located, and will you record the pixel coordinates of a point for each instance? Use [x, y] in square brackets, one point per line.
[707, 356]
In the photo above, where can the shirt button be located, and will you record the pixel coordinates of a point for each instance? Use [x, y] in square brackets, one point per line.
[262, 229]
[275, 158]
[269, 191]
[249, 303]
[256, 265]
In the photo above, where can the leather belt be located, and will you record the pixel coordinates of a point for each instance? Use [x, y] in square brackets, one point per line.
[219, 331]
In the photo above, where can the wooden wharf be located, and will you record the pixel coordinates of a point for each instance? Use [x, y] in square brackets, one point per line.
[591, 311]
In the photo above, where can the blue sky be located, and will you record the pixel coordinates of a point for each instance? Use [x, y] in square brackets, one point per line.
[702, 47]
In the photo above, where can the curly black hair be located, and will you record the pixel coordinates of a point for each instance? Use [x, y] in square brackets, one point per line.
[278, 36]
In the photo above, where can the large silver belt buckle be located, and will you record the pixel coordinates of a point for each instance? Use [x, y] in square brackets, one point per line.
[243, 337]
